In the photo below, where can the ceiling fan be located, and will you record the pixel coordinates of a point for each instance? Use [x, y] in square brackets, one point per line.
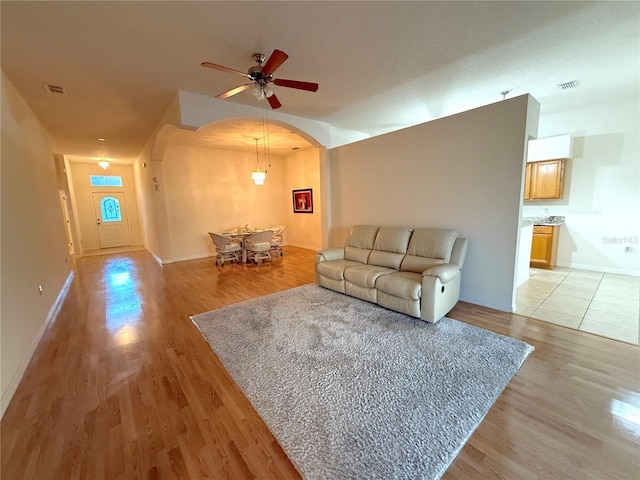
[261, 76]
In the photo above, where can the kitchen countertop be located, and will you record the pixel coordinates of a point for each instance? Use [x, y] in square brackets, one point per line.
[551, 221]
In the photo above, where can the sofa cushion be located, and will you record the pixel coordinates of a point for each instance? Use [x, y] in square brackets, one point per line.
[335, 269]
[406, 285]
[368, 294]
[360, 242]
[412, 263]
[428, 247]
[365, 275]
[390, 247]
[407, 306]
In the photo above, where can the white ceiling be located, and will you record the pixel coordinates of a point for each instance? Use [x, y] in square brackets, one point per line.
[381, 66]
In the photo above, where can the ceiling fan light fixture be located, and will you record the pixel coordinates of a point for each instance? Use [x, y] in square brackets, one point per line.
[257, 91]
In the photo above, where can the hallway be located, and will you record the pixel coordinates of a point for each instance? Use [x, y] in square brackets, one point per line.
[605, 304]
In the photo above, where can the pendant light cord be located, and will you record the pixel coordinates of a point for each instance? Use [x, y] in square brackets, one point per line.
[257, 165]
[265, 136]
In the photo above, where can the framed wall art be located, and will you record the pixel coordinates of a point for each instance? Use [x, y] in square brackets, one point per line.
[303, 201]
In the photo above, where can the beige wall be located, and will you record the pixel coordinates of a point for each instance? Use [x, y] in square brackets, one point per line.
[302, 171]
[204, 189]
[83, 203]
[33, 242]
[143, 178]
[462, 172]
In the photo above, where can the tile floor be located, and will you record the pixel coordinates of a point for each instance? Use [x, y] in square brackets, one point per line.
[601, 303]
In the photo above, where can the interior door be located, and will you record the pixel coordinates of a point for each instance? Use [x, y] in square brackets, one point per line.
[110, 209]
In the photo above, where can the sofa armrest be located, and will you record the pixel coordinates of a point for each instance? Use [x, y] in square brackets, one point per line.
[459, 252]
[445, 272]
[329, 254]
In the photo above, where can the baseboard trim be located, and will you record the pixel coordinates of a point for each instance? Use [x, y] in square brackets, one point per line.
[8, 394]
[207, 255]
[595, 268]
[496, 306]
[306, 247]
[184, 259]
[155, 257]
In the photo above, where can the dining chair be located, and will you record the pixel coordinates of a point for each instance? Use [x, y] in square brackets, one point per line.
[276, 240]
[257, 246]
[226, 248]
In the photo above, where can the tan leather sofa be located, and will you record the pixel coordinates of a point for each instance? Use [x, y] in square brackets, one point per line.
[413, 271]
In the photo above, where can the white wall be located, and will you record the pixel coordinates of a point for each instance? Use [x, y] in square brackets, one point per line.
[33, 241]
[601, 204]
[463, 172]
[78, 173]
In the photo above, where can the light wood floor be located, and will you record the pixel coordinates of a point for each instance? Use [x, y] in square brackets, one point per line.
[124, 386]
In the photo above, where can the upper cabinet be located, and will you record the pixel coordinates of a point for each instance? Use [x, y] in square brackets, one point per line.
[546, 162]
[544, 180]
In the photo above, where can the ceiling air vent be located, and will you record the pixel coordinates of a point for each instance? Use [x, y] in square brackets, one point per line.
[54, 89]
[568, 85]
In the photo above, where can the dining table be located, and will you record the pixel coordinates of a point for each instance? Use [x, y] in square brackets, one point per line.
[240, 235]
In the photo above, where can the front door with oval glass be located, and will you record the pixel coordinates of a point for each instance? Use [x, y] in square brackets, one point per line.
[110, 211]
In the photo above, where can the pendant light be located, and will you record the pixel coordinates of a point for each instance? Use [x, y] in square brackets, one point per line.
[258, 175]
[104, 163]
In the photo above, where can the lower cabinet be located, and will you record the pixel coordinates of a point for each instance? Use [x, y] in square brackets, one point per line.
[544, 246]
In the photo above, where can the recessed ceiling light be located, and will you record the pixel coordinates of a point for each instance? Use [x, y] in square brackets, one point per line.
[568, 85]
[100, 139]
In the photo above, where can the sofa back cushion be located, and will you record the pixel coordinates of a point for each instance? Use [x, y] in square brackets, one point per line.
[390, 247]
[428, 247]
[360, 242]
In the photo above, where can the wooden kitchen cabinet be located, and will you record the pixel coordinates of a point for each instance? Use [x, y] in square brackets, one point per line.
[527, 182]
[544, 246]
[544, 180]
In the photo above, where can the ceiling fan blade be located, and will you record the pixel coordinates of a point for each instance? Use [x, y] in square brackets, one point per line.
[233, 91]
[276, 59]
[223, 69]
[274, 102]
[310, 87]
